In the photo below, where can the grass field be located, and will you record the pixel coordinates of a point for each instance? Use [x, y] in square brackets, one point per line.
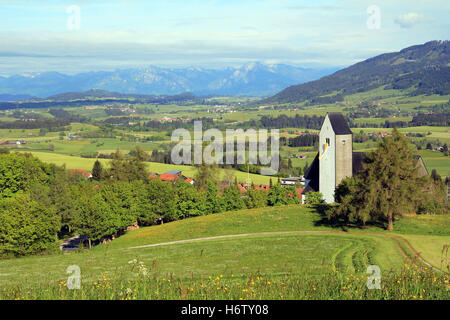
[189, 171]
[268, 253]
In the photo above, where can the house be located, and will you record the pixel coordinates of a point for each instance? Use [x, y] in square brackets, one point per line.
[80, 173]
[243, 187]
[336, 159]
[174, 176]
[262, 187]
[292, 181]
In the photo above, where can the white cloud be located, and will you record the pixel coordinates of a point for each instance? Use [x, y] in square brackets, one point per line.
[410, 19]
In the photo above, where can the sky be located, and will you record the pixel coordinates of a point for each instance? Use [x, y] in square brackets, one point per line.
[92, 35]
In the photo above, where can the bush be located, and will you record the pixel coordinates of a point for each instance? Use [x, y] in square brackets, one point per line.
[314, 198]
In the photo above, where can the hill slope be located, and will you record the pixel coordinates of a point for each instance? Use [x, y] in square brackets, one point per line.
[423, 69]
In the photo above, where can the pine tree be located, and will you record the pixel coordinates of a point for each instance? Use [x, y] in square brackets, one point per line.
[97, 171]
[390, 180]
[305, 168]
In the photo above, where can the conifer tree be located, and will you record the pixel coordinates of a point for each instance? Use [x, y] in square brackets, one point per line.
[390, 180]
[97, 171]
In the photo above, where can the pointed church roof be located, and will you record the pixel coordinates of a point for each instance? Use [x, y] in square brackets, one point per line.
[339, 124]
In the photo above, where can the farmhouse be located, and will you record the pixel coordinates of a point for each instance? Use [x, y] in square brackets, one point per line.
[174, 176]
[336, 160]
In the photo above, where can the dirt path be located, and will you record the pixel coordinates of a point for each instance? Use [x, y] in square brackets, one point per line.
[230, 236]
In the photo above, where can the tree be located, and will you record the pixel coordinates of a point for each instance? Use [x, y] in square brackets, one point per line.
[232, 199]
[117, 168]
[228, 177]
[136, 167]
[190, 201]
[161, 201]
[390, 179]
[256, 198]
[94, 218]
[19, 172]
[43, 132]
[388, 186]
[214, 203]
[435, 176]
[97, 171]
[305, 168]
[26, 226]
[205, 173]
[277, 196]
[132, 169]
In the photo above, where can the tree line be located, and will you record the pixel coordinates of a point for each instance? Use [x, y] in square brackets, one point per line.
[42, 203]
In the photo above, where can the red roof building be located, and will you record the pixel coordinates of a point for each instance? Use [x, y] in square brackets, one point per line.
[80, 172]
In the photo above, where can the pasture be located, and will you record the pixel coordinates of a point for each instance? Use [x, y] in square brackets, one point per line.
[269, 253]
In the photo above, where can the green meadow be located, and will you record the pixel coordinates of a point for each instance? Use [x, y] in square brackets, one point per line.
[269, 253]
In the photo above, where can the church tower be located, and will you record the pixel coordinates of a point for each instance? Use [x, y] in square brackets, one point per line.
[335, 154]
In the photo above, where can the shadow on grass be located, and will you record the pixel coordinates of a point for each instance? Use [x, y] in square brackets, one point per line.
[327, 219]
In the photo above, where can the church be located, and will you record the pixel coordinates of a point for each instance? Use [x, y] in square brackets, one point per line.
[336, 159]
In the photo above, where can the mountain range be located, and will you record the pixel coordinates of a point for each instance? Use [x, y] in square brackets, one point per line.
[252, 79]
[420, 69]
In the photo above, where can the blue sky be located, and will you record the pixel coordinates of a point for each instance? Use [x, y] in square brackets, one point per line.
[34, 36]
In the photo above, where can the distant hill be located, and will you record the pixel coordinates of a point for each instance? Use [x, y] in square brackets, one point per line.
[98, 97]
[424, 69]
[252, 79]
[14, 97]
